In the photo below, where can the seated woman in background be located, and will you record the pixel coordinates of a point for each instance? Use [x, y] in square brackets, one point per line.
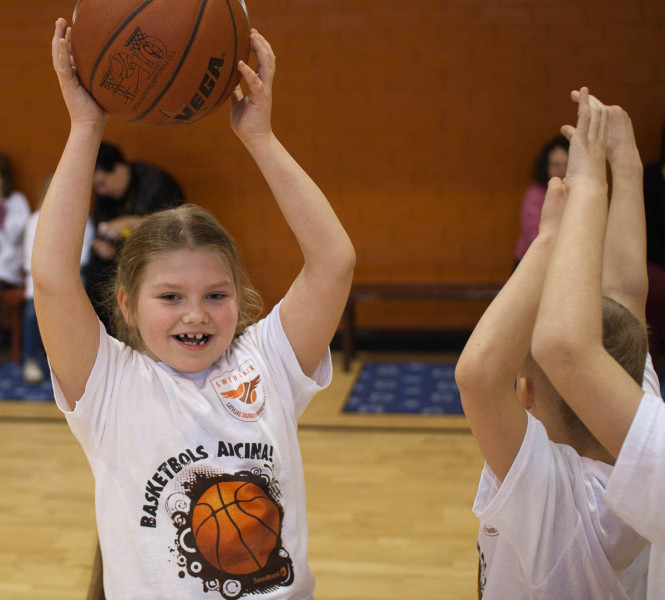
[551, 161]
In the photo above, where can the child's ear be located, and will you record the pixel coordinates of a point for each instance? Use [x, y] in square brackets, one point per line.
[125, 307]
[525, 392]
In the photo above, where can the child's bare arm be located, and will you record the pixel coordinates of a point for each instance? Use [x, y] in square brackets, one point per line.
[495, 353]
[67, 321]
[312, 307]
[624, 256]
[567, 339]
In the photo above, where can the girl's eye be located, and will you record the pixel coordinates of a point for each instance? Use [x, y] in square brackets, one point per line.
[169, 297]
[217, 296]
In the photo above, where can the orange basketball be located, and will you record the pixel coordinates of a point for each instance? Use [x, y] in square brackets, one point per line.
[158, 62]
[236, 526]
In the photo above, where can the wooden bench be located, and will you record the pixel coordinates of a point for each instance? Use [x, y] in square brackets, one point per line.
[364, 291]
[11, 309]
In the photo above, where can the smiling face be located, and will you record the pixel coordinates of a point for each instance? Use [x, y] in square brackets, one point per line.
[186, 309]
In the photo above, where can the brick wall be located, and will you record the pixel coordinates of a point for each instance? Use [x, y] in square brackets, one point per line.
[419, 119]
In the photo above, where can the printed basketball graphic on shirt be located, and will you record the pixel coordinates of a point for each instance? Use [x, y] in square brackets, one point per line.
[229, 533]
[235, 526]
[241, 392]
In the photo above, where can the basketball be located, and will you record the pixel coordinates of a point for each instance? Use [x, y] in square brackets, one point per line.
[160, 63]
[235, 526]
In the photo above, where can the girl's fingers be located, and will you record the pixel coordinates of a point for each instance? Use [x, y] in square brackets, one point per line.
[55, 42]
[568, 131]
[257, 39]
[593, 116]
[252, 78]
[598, 120]
[604, 125]
[61, 44]
[583, 112]
[264, 54]
[68, 37]
[237, 94]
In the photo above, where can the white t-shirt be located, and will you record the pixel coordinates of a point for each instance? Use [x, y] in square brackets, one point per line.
[636, 489]
[546, 532]
[17, 211]
[199, 482]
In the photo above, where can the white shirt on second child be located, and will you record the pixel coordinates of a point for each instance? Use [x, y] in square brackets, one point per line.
[546, 533]
[636, 489]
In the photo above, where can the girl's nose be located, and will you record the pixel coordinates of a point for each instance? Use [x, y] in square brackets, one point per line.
[195, 313]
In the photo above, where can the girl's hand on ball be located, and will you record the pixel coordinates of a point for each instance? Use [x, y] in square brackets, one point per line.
[250, 114]
[80, 104]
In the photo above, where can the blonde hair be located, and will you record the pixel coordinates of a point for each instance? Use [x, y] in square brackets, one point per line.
[187, 227]
[624, 338]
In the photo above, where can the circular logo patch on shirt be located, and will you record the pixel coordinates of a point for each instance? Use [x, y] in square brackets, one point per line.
[241, 392]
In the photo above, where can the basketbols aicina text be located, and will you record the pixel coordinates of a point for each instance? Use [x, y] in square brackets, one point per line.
[236, 526]
[160, 63]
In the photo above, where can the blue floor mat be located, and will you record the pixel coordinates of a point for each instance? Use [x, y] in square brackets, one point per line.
[405, 387]
[381, 387]
[415, 388]
[13, 387]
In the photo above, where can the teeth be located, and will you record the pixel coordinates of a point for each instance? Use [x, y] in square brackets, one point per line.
[200, 338]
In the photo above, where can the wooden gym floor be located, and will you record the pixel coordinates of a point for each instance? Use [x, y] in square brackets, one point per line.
[389, 501]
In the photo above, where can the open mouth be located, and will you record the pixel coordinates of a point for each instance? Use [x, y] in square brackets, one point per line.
[193, 339]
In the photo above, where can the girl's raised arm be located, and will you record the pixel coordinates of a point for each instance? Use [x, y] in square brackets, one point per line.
[67, 321]
[311, 309]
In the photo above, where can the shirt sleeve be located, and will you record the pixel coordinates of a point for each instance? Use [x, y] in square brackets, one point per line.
[650, 382]
[88, 419]
[636, 489]
[285, 363]
[534, 507]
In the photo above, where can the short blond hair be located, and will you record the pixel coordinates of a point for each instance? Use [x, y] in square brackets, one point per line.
[624, 338]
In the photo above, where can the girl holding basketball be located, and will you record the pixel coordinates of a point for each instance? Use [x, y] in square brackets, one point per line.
[190, 429]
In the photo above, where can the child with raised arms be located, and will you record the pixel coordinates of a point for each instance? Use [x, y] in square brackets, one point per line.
[190, 424]
[628, 420]
[545, 531]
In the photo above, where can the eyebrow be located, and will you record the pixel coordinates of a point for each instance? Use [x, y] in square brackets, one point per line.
[176, 286]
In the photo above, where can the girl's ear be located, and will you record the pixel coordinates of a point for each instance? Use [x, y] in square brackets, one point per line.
[525, 392]
[125, 307]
